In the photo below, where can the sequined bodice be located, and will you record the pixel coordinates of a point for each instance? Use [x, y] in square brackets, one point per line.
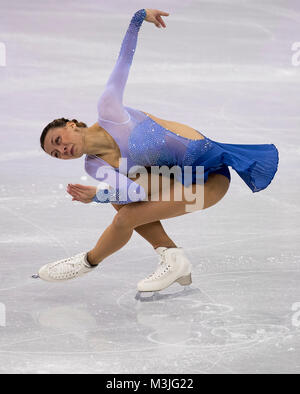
[150, 144]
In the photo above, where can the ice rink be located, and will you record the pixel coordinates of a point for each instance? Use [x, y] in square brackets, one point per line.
[226, 67]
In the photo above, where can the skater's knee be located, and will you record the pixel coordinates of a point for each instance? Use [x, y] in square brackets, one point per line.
[122, 220]
[216, 188]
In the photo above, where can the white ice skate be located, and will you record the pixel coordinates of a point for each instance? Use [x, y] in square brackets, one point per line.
[173, 266]
[69, 268]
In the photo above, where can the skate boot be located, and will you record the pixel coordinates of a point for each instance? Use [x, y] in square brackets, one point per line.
[69, 268]
[174, 266]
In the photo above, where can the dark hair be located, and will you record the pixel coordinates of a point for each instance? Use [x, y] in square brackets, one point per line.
[58, 123]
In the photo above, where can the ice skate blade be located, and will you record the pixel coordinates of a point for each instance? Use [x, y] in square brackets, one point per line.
[156, 296]
[147, 296]
[36, 276]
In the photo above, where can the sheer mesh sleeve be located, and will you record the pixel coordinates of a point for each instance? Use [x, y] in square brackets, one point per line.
[121, 190]
[110, 104]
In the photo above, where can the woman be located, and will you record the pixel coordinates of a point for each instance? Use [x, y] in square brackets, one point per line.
[144, 141]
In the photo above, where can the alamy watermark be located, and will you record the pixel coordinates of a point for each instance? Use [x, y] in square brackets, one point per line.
[192, 193]
[2, 315]
[2, 54]
[296, 55]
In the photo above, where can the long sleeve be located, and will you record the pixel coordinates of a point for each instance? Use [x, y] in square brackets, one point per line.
[122, 190]
[110, 104]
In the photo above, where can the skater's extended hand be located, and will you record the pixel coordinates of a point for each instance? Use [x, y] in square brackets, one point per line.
[154, 16]
[82, 193]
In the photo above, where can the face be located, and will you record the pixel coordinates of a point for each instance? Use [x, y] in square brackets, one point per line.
[65, 142]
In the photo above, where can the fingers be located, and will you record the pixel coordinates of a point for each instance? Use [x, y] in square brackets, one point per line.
[76, 196]
[160, 19]
[162, 23]
[79, 186]
[80, 192]
[163, 13]
[155, 16]
[75, 193]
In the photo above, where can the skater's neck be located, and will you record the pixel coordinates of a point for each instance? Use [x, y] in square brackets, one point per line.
[97, 141]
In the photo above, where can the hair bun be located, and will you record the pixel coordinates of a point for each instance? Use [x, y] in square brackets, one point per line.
[78, 124]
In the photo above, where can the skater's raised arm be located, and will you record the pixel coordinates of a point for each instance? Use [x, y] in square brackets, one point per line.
[110, 104]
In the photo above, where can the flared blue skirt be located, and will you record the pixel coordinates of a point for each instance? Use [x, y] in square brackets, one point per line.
[256, 164]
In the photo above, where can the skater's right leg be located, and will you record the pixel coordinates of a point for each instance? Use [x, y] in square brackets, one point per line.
[153, 232]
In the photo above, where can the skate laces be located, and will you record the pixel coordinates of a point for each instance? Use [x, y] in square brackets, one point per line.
[163, 268]
[66, 267]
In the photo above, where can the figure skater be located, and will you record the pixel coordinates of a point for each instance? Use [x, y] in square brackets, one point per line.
[142, 139]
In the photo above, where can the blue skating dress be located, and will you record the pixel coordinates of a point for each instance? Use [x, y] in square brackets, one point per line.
[143, 142]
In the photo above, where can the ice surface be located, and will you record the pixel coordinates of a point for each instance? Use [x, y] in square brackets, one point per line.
[231, 62]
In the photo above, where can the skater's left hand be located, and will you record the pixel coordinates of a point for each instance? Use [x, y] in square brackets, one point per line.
[154, 16]
[82, 193]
